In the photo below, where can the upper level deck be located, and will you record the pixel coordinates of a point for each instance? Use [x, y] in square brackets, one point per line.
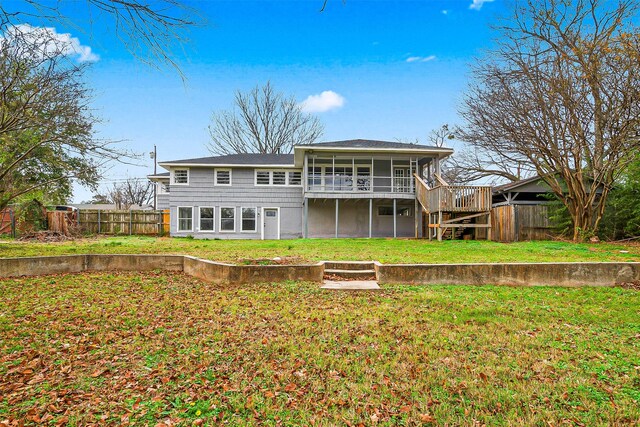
[360, 177]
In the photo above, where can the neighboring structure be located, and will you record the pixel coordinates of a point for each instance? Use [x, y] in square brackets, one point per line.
[530, 191]
[353, 188]
[522, 211]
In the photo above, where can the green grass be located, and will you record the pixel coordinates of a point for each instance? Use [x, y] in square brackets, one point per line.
[383, 250]
[118, 348]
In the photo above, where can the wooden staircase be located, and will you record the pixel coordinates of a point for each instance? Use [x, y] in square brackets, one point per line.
[449, 207]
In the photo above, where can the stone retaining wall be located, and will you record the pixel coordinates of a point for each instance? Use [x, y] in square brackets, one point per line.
[519, 274]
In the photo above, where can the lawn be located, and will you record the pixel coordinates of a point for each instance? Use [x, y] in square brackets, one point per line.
[138, 349]
[383, 250]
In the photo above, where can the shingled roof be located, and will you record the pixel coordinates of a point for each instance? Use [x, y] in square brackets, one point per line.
[371, 143]
[239, 159]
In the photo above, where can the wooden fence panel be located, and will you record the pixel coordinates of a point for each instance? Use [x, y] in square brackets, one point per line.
[533, 223]
[516, 223]
[503, 224]
[124, 222]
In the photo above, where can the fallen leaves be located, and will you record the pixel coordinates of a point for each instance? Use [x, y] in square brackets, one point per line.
[165, 349]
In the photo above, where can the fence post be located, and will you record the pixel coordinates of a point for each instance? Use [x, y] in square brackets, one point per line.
[130, 218]
[98, 232]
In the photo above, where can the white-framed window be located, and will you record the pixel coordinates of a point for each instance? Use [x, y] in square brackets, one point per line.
[180, 176]
[207, 217]
[185, 218]
[400, 211]
[222, 177]
[278, 178]
[227, 220]
[163, 187]
[249, 219]
[295, 178]
[263, 177]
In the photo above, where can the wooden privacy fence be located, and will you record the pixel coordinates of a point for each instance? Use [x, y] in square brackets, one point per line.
[514, 223]
[98, 221]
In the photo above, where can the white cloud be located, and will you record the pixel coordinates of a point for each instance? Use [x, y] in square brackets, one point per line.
[421, 58]
[325, 101]
[445, 12]
[477, 4]
[49, 40]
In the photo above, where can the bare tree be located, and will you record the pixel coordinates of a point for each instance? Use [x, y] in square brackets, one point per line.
[473, 164]
[46, 125]
[264, 121]
[150, 30]
[132, 191]
[562, 93]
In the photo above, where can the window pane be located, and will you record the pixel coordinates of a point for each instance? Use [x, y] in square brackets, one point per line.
[227, 212]
[262, 177]
[248, 213]
[227, 219]
[206, 219]
[180, 176]
[295, 178]
[248, 225]
[223, 177]
[279, 178]
[227, 225]
[185, 219]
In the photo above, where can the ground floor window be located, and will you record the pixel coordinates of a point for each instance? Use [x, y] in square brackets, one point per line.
[206, 219]
[185, 219]
[227, 219]
[249, 219]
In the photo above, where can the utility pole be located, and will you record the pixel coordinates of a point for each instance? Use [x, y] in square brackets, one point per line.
[154, 156]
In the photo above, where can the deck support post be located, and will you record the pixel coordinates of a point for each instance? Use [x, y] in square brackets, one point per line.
[337, 215]
[394, 218]
[370, 217]
[439, 226]
[306, 218]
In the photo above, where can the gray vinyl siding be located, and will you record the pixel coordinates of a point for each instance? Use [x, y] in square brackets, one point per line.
[201, 192]
[162, 201]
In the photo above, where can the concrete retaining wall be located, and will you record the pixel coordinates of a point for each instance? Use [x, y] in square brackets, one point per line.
[520, 274]
[209, 271]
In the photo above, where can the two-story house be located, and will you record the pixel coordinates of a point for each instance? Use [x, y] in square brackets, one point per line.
[353, 188]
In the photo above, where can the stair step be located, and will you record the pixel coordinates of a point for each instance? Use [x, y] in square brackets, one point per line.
[351, 274]
[349, 265]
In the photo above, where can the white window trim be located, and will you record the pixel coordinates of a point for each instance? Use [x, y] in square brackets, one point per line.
[235, 217]
[172, 180]
[262, 221]
[271, 184]
[255, 217]
[215, 176]
[178, 219]
[255, 178]
[214, 219]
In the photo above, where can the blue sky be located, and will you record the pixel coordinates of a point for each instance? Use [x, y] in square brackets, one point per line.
[400, 68]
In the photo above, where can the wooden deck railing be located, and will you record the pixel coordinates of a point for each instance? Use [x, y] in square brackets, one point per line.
[453, 198]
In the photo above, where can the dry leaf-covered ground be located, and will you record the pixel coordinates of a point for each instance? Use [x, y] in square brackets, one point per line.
[117, 349]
